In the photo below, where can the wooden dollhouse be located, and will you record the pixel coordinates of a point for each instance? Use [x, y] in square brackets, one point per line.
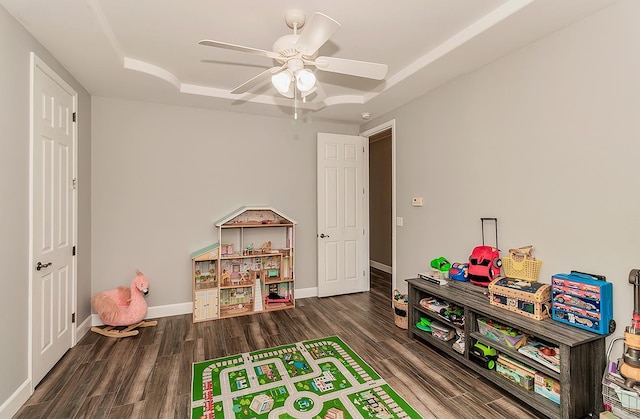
[250, 269]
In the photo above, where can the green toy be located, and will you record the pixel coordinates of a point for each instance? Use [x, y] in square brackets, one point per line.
[441, 264]
[484, 355]
[424, 324]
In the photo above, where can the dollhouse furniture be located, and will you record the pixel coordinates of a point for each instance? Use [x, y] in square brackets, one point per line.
[205, 274]
[252, 271]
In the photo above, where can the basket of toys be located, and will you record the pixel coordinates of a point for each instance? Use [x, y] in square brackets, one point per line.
[400, 303]
[521, 264]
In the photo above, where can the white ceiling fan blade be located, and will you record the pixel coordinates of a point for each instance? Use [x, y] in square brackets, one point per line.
[234, 47]
[318, 31]
[256, 81]
[352, 67]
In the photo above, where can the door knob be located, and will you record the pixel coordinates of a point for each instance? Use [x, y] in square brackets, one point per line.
[41, 265]
[322, 236]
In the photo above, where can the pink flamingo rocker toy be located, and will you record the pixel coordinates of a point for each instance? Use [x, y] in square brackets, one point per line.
[123, 307]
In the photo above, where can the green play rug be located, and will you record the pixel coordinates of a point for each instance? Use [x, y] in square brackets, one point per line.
[318, 379]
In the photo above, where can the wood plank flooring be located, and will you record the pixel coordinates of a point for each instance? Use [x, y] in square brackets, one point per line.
[149, 375]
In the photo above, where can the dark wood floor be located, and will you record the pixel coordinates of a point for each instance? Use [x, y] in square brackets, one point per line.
[149, 375]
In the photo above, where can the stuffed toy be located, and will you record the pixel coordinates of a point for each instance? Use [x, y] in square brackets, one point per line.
[123, 306]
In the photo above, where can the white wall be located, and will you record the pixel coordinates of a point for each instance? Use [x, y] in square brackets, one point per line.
[163, 174]
[15, 46]
[547, 140]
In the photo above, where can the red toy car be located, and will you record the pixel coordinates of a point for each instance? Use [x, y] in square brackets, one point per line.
[484, 265]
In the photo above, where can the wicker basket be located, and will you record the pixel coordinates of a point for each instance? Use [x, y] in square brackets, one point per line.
[520, 264]
[400, 310]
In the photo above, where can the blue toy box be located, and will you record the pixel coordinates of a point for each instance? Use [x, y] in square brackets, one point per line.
[584, 301]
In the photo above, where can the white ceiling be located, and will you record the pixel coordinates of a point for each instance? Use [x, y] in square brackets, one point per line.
[148, 49]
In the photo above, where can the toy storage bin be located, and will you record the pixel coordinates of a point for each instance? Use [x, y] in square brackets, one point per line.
[583, 301]
[442, 332]
[400, 304]
[516, 372]
[547, 387]
[530, 299]
[502, 334]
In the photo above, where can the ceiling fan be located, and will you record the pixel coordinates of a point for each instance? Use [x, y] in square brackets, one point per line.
[295, 52]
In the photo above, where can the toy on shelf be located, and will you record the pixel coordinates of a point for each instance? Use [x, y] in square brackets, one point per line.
[440, 266]
[441, 331]
[433, 304]
[530, 299]
[521, 264]
[483, 355]
[424, 324]
[458, 345]
[458, 271]
[433, 278]
[485, 262]
[503, 334]
[453, 314]
[123, 306]
[583, 300]
[544, 353]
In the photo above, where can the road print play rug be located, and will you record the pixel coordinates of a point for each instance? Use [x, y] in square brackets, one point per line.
[318, 379]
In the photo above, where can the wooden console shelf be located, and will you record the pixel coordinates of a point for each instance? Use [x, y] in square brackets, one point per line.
[582, 353]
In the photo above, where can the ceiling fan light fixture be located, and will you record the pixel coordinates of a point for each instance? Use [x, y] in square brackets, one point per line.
[282, 81]
[305, 80]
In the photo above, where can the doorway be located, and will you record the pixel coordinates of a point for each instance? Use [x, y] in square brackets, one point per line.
[382, 203]
[343, 251]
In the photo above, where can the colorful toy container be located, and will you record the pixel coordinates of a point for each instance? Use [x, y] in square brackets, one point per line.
[505, 335]
[531, 299]
[516, 372]
[548, 387]
[584, 301]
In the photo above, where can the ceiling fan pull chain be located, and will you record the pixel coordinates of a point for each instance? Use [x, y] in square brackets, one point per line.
[295, 102]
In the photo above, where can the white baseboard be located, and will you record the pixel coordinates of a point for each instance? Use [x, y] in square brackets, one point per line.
[156, 312]
[170, 310]
[83, 328]
[306, 292]
[16, 400]
[184, 308]
[380, 266]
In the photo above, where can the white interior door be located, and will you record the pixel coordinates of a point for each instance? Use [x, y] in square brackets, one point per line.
[53, 199]
[343, 251]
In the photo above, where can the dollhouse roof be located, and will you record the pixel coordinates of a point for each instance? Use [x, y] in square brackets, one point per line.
[204, 250]
[246, 209]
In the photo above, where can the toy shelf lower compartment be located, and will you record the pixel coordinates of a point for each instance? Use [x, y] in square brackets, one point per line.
[438, 343]
[419, 312]
[535, 400]
[538, 402]
[514, 354]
